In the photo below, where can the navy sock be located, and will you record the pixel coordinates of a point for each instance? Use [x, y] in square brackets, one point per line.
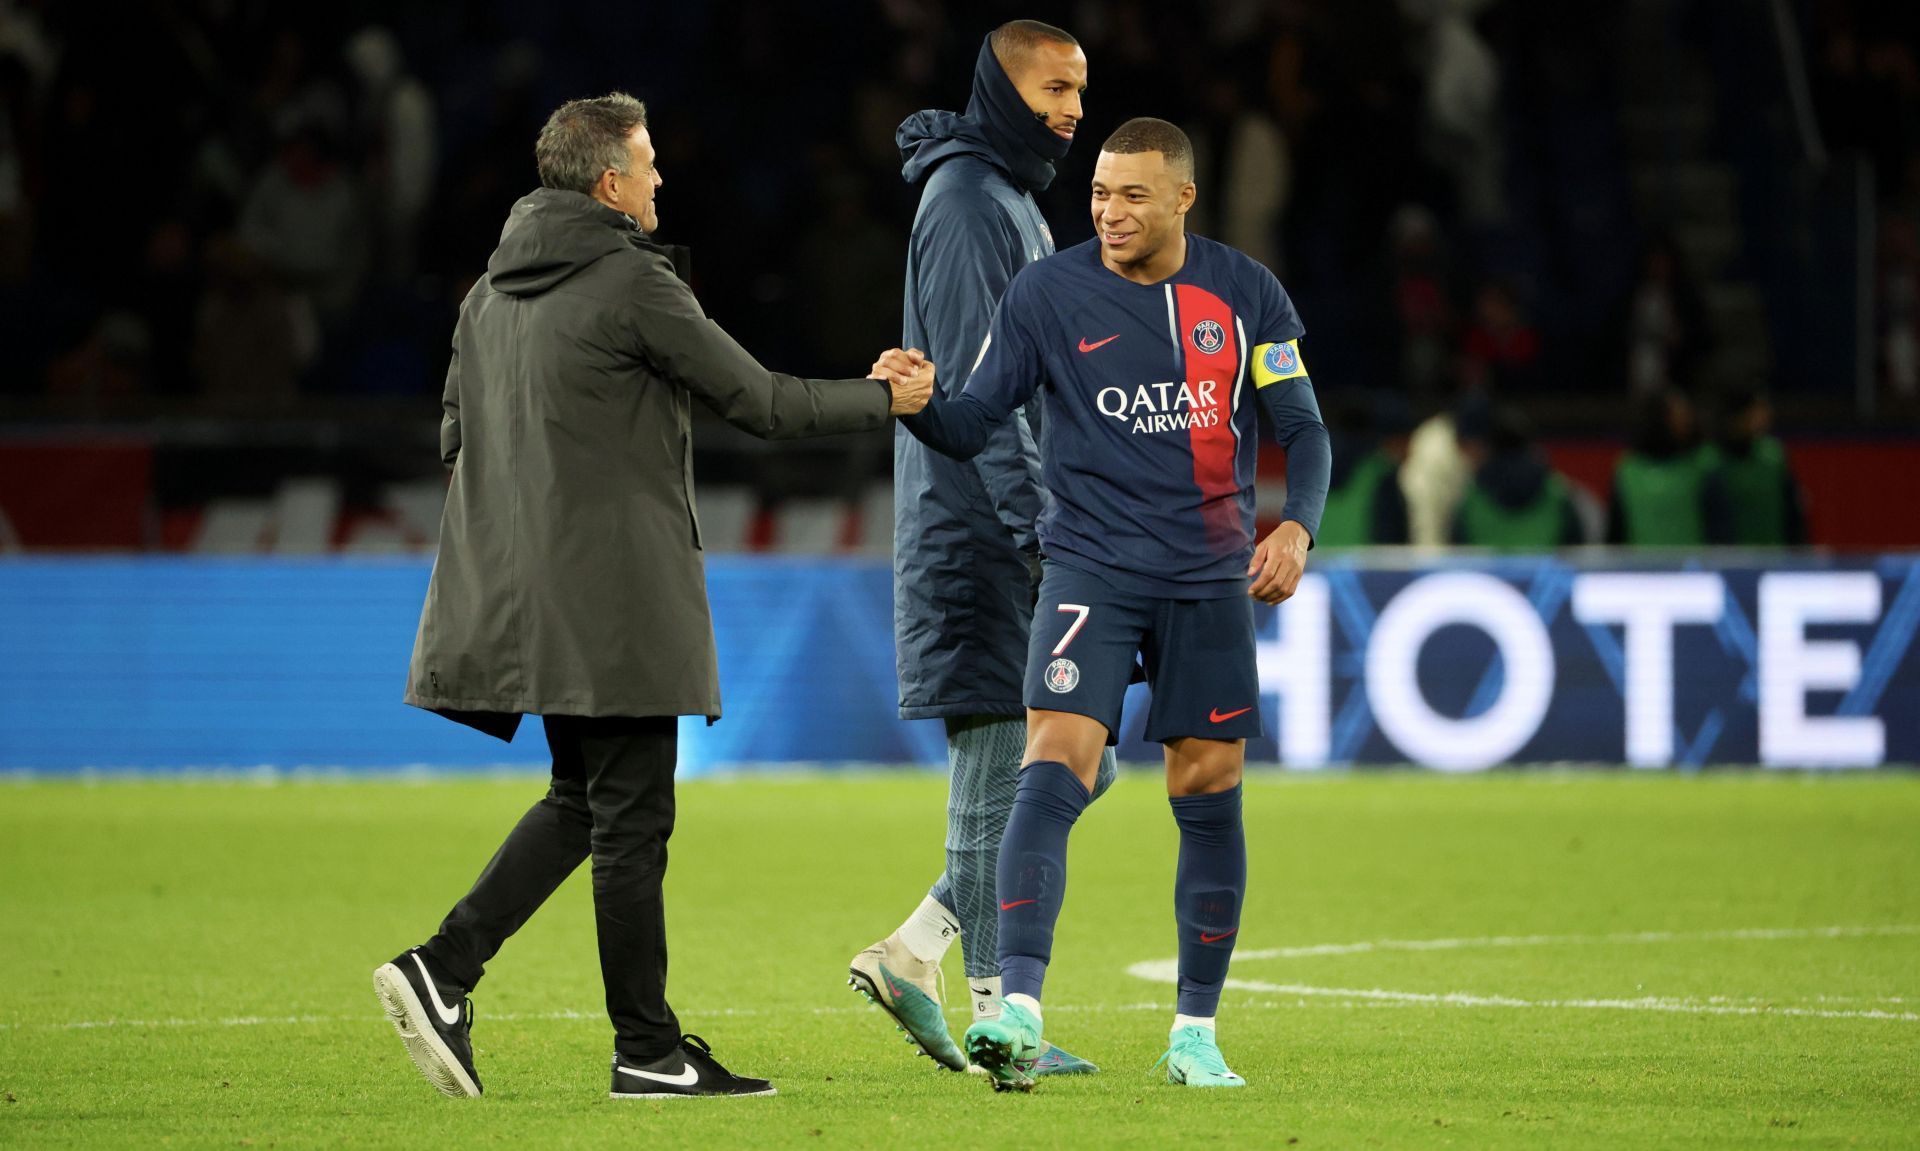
[1207, 892]
[1032, 879]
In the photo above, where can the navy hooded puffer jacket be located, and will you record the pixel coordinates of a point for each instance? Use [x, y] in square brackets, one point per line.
[963, 533]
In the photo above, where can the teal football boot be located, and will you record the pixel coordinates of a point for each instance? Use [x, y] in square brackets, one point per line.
[908, 990]
[1193, 1058]
[1059, 1061]
[1006, 1048]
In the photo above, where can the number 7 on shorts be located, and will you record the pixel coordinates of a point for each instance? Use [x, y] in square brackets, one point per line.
[1083, 611]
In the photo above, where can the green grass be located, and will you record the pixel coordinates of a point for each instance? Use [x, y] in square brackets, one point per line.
[139, 921]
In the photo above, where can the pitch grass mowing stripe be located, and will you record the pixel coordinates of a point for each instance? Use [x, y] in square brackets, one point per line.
[1352, 997]
[1167, 971]
[507, 1016]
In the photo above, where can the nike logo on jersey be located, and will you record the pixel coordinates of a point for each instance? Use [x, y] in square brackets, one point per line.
[1086, 347]
[1205, 938]
[448, 1015]
[685, 1077]
[1016, 903]
[983, 993]
[1217, 716]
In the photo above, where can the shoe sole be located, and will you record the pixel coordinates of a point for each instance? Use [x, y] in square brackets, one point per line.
[1179, 1080]
[679, 1095]
[424, 1045]
[863, 983]
[997, 1061]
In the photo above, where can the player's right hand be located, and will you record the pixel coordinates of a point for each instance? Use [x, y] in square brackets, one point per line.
[1278, 562]
[909, 374]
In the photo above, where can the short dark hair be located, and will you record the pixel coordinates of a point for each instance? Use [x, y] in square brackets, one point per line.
[583, 138]
[1512, 431]
[1015, 40]
[1146, 134]
[1742, 396]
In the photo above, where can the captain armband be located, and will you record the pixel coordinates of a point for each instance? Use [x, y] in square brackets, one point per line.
[1273, 363]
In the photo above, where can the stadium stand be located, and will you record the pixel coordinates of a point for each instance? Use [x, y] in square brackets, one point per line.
[1566, 206]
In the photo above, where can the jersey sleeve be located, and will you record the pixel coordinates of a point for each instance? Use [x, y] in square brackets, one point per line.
[1003, 376]
[1010, 365]
[1276, 339]
[1280, 380]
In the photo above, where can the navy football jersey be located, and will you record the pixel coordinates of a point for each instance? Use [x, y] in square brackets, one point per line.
[1150, 437]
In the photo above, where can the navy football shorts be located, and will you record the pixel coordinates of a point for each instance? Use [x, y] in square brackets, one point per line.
[1198, 653]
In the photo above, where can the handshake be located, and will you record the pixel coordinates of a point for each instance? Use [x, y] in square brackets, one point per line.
[908, 375]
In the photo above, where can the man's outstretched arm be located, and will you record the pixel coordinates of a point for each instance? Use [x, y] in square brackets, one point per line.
[672, 332]
[957, 426]
[1004, 377]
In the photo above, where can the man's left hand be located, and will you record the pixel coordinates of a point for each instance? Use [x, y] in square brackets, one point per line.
[1278, 562]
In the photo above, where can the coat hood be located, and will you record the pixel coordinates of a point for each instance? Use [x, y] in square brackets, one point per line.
[998, 127]
[551, 235]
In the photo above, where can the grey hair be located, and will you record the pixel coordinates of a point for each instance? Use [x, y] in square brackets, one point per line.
[583, 138]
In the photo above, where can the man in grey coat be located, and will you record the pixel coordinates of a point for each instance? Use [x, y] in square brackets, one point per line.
[964, 540]
[569, 582]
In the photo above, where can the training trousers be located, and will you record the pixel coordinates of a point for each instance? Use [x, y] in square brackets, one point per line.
[611, 798]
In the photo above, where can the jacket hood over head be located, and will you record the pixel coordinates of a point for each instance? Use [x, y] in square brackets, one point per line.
[998, 127]
[551, 235]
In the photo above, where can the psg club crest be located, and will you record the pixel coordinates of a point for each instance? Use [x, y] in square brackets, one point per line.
[1281, 359]
[1063, 675]
[1209, 336]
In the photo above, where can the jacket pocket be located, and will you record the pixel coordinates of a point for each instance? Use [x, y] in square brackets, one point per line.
[686, 487]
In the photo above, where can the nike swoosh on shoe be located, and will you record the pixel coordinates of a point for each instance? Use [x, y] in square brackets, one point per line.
[448, 1015]
[687, 1076]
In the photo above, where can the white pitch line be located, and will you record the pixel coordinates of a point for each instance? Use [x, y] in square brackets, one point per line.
[1649, 1003]
[300, 1020]
[506, 1016]
[1746, 933]
[1167, 971]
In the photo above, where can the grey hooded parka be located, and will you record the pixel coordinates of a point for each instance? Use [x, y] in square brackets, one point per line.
[570, 579]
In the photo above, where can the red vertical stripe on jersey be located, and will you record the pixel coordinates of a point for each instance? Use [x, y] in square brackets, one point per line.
[1210, 376]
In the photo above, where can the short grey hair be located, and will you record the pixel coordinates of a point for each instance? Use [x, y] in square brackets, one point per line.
[583, 138]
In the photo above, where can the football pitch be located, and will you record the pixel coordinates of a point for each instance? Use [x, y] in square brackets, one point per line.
[1568, 960]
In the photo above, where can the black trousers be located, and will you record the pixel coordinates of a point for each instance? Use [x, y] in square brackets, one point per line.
[611, 798]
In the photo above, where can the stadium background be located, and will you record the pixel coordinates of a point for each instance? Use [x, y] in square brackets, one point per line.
[233, 237]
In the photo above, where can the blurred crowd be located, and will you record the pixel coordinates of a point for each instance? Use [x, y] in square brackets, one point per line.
[1866, 92]
[1477, 477]
[235, 204]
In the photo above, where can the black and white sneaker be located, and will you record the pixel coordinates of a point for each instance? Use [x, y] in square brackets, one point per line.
[437, 1034]
[688, 1070]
